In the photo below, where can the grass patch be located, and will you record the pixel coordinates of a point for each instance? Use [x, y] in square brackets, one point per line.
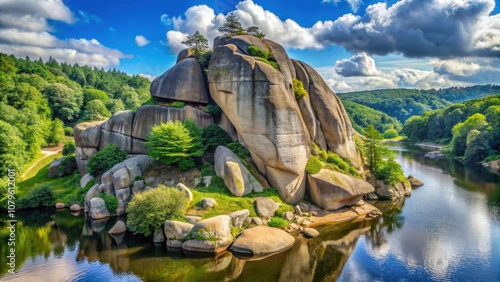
[150, 101]
[278, 222]
[42, 162]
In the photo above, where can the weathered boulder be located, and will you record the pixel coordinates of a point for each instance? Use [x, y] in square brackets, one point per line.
[54, 166]
[184, 54]
[226, 124]
[75, 208]
[333, 119]
[109, 137]
[208, 203]
[121, 179]
[211, 235]
[239, 217]
[331, 190]
[91, 193]
[415, 182]
[183, 82]
[87, 134]
[86, 179]
[237, 178]
[137, 186]
[176, 230]
[119, 228]
[390, 192]
[123, 194]
[265, 207]
[310, 232]
[262, 241]
[192, 218]
[60, 206]
[159, 236]
[262, 108]
[98, 208]
[181, 187]
[121, 122]
[150, 115]
[493, 166]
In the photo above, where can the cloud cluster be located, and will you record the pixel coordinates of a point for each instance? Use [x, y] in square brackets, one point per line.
[353, 3]
[141, 41]
[358, 65]
[24, 31]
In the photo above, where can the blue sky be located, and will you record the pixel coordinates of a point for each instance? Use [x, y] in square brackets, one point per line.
[354, 44]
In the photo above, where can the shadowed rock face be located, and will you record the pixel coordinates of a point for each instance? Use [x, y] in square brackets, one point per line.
[255, 98]
[183, 82]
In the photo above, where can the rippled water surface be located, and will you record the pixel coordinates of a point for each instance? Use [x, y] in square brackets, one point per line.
[448, 230]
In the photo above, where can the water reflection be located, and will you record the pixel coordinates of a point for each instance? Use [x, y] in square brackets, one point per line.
[448, 230]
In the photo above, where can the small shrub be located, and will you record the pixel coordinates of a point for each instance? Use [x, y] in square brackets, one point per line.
[178, 104]
[215, 111]
[239, 150]
[67, 166]
[208, 170]
[390, 172]
[69, 148]
[213, 136]
[186, 164]
[257, 52]
[313, 165]
[105, 159]
[75, 196]
[278, 222]
[148, 211]
[40, 196]
[68, 131]
[274, 64]
[390, 133]
[280, 212]
[298, 88]
[110, 201]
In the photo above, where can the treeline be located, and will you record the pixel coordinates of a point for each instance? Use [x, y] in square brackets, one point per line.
[39, 101]
[361, 116]
[472, 129]
[404, 103]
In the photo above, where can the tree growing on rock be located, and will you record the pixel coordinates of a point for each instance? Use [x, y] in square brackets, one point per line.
[198, 44]
[232, 26]
[255, 31]
[373, 147]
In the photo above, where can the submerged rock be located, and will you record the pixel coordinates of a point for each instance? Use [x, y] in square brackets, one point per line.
[98, 208]
[435, 155]
[310, 232]
[119, 228]
[414, 181]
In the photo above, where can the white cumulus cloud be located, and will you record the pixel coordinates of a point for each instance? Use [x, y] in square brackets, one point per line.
[141, 41]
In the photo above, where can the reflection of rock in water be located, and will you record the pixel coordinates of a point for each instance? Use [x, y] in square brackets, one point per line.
[391, 220]
[97, 245]
[297, 265]
[220, 263]
[235, 269]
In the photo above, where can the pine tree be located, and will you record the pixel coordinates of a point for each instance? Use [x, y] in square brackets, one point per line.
[232, 26]
[198, 43]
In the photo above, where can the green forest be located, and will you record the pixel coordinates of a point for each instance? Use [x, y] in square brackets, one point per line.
[471, 129]
[41, 101]
[404, 103]
[361, 116]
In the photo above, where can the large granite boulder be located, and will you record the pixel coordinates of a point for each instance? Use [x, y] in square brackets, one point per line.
[119, 228]
[237, 178]
[54, 167]
[211, 235]
[331, 190]
[262, 241]
[265, 207]
[392, 192]
[262, 107]
[176, 232]
[98, 208]
[87, 134]
[333, 119]
[150, 115]
[184, 54]
[121, 122]
[183, 82]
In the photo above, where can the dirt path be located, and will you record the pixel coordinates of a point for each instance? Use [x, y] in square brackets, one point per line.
[47, 152]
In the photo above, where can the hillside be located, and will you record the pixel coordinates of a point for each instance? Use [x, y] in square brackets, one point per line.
[404, 103]
[41, 101]
[472, 129]
[361, 116]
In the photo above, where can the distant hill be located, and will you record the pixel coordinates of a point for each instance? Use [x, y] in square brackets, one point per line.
[404, 103]
[361, 116]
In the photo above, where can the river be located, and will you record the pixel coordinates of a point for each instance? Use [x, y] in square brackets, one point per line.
[448, 230]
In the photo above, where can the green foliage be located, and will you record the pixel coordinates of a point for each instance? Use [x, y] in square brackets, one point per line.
[198, 44]
[298, 89]
[390, 133]
[69, 148]
[374, 150]
[477, 149]
[67, 166]
[95, 110]
[40, 196]
[313, 165]
[239, 150]
[334, 161]
[12, 152]
[415, 129]
[65, 101]
[390, 172]
[404, 103]
[178, 104]
[90, 94]
[68, 131]
[255, 31]
[215, 111]
[213, 136]
[173, 142]
[280, 212]
[110, 201]
[257, 52]
[105, 159]
[148, 211]
[232, 26]
[278, 222]
[186, 164]
[462, 130]
[56, 132]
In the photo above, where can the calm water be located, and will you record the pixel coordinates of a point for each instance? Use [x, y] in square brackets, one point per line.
[448, 230]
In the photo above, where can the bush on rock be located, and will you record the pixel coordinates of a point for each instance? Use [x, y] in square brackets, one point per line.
[105, 159]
